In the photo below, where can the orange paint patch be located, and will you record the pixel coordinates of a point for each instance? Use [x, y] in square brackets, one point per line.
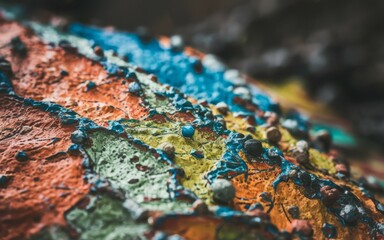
[260, 179]
[37, 76]
[208, 227]
[190, 227]
[41, 189]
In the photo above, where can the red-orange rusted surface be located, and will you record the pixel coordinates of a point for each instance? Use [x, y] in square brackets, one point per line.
[42, 188]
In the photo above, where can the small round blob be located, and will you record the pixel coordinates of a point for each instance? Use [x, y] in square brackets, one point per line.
[329, 195]
[349, 214]
[188, 131]
[200, 207]
[134, 88]
[323, 140]
[273, 134]
[177, 43]
[253, 147]
[21, 156]
[302, 145]
[168, 149]
[223, 190]
[78, 137]
[98, 51]
[89, 86]
[222, 107]
[3, 180]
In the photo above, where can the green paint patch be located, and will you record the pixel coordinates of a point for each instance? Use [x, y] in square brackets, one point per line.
[286, 136]
[159, 104]
[211, 145]
[51, 233]
[136, 172]
[321, 161]
[105, 219]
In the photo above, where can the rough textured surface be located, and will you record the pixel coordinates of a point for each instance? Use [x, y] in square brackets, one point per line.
[112, 118]
[108, 220]
[42, 188]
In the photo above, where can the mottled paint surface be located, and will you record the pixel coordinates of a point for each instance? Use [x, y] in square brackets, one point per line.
[98, 139]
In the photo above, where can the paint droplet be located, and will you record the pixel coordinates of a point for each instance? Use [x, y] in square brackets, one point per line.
[63, 73]
[329, 195]
[89, 86]
[78, 137]
[253, 147]
[188, 131]
[349, 213]
[3, 181]
[134, 88]
[223, 191]
[200, 207]
[302, 145]
[21, 156]
[273, 134]
[294, 212]
[168, 149]
[98, 51]
[177, 43]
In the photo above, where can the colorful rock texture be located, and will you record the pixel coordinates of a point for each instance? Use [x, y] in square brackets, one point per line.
[112, 135]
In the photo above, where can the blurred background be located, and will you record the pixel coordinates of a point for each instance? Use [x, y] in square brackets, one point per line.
[322, 51]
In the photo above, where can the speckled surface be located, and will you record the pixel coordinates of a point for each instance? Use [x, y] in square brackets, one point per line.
[105, 175]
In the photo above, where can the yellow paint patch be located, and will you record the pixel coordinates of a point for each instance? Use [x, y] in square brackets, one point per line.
[212, 146]
[321, 161]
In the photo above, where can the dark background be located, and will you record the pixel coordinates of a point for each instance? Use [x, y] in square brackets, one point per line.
[336, 48]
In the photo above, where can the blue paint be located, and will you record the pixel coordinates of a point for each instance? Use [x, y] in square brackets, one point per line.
[232, 164]
[67, 118]
[89, 86]
[223, 211]
[3, 181]
[74, 148]
[256, 206]
[18, 46]
[63, 73]
[21, 156]
[349, 213]
[116, 127]
[78, 137]
[134, 88]
[173, 67]
[188, 131]
[5, 84]
[379, 207]
[266, 196]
